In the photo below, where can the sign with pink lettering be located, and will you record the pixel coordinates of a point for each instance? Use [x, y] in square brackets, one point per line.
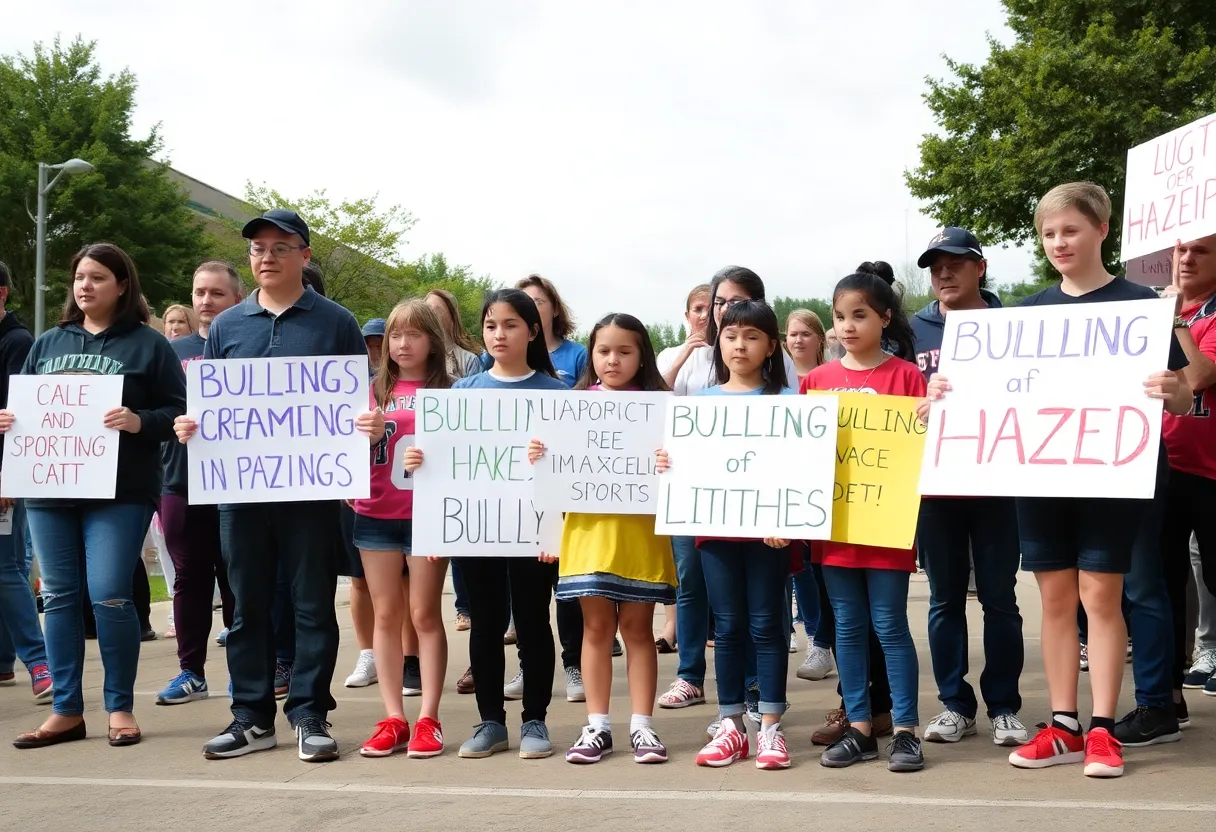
[58, 445]
[1171, 190]
[1049, 401]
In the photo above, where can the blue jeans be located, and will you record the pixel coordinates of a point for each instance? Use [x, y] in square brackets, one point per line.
[692, 611]
[746, 583]
[93, 544]
[462, 597]
[20, 632]
[948, 534]
[1146, 603]
[806, 590]
[860, 596]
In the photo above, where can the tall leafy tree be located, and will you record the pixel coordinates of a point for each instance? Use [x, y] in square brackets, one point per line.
[1083, 81]
[56, 104]
[784, 306]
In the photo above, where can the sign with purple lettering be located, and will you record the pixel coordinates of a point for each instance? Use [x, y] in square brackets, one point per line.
[1049, 401]
[1171, 191]
[273, 430]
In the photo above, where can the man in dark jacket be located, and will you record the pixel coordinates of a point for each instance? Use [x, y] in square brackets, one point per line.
[20, 632]
[952, 532]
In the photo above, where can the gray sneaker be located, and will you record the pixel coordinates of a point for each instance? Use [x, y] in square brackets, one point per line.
[316, 745]
[514, 689]
[534, 741]
[488, 738]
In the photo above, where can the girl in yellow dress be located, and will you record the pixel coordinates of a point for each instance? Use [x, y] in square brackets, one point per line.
[615, 566]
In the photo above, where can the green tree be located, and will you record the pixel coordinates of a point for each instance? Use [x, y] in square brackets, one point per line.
[56, 104]
[432, 271]
[784, 306]
[663, 336]
[1083, 81]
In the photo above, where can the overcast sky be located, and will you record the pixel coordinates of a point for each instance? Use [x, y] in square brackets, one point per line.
[625, 150]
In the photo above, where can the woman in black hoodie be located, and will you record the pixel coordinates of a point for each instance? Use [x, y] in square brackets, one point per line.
[102, 332]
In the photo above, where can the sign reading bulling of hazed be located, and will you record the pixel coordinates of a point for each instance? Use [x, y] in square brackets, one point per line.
[58, 445]
[473, 494]
[278, 429]
[749, 467]
[1049, 401]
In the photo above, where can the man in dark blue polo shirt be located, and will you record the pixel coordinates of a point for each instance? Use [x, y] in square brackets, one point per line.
[281, 318]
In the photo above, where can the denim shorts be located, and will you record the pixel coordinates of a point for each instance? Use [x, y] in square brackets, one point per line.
[1087, 533]
[383, 535]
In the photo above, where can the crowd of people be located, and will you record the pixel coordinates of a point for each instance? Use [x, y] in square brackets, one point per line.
[1104, 567]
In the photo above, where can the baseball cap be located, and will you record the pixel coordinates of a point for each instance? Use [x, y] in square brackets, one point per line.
[951, 240]
[373, 328]
[281, 219]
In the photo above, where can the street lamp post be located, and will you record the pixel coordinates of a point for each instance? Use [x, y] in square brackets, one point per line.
[44, 188]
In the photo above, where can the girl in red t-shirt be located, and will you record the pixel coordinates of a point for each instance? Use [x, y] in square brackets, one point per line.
[415, 356]
[869, 583]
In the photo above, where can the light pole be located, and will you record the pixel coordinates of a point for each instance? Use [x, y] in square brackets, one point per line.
[44, 188]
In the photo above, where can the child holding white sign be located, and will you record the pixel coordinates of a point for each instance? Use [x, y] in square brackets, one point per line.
[511, 329]
[869, 584]
[1079, 548]
[747, 579]
[615, 567]
[414, 357]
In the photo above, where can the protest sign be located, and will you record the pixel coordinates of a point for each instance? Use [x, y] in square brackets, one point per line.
[58, 445]
[274, 430]
[748, 467]
[1171, 190]
[1049, 401]
[1152, 269]
[473, 493]
[879, 445]
[599, 451]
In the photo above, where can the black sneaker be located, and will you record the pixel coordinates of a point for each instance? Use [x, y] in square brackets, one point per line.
[282, 679]
[617, 649]
[852, 747]
[316, 745]
[905, 752]
[1182, 714]
[411, 677]
[238, 739]
[1147, 726]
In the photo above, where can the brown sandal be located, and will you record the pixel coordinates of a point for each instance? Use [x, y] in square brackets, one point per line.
[120, 737]
[44, 739]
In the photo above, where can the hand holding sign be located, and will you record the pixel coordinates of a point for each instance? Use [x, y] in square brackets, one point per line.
[185, 427]
[122, 418]
[1174, 290]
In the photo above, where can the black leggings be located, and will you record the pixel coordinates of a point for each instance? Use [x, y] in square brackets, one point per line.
[1190, 506]
[531, 589]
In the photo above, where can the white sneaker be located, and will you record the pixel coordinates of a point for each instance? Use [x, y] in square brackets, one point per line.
[793, 642]
[574, 685]
[819, 664]
[514, 689]
[949, 726]
[365, 671]
[1007, 730]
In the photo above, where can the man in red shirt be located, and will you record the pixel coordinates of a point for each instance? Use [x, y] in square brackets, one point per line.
[1190, 442]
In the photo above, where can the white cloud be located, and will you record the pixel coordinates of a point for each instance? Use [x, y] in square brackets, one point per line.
[625, 150]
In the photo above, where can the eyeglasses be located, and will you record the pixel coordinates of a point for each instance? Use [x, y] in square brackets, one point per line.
[278, 249]
[722, 303]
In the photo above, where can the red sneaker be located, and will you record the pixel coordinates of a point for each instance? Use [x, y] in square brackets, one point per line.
[729, 744]
[40, 676]
[770, 749]
[428, 739]
[392, 735]
[1103, 754]
[1050, 747]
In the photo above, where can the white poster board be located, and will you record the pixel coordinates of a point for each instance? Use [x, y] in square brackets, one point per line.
[275, 430]
[473, 493]
[58, 445]
[599, 451]
[749, 467]
[1049, 401]
[1171, 190]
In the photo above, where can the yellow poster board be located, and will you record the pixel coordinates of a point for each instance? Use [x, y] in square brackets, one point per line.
[879, 446]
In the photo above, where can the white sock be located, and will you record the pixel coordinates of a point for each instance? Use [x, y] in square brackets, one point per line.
[639, 721]
[600, 722]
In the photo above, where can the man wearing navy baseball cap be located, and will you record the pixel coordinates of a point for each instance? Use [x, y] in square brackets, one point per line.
[951, 533]
[281, 318]
[373, 336]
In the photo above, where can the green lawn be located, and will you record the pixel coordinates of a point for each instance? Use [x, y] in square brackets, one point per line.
[160, 592]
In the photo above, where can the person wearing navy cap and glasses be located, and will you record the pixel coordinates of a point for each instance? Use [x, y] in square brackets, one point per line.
[281, 318]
